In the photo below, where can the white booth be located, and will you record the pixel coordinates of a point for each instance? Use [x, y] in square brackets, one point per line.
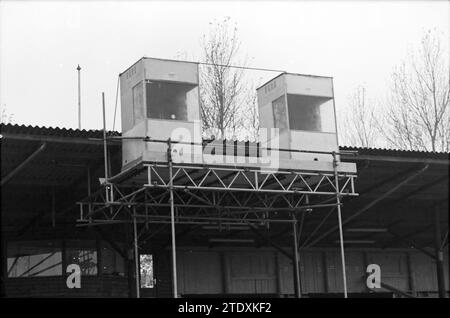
[301, 109]
[160, 100]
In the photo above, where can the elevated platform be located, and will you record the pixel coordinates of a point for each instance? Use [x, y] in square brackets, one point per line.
[311, 178]
[230, 193]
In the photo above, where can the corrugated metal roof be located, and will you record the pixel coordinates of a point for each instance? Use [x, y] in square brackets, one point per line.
[76, 133]
[67, 155]
[397, 152]
[53, 131]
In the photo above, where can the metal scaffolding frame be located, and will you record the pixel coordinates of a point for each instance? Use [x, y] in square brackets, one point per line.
[177, 193]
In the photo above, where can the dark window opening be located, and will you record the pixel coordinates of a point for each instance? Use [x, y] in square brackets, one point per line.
[279, 113]
[31, 259]
[138, 103]
[84, 254]
[166, 100]
[112, 262]
[306, 112]
[45, 258]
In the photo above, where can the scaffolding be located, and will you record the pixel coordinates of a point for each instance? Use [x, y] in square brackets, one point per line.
[203, 194]
[158, 188]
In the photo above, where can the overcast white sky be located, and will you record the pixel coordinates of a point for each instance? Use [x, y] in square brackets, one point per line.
[41, 44]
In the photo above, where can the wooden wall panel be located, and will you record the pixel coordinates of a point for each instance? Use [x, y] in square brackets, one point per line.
[394, 269]
[163, 274]
[312, 272]
[286, 275]
[91, 286]
[423, 272]
[355, 272]
[250, 272]
[199, 272]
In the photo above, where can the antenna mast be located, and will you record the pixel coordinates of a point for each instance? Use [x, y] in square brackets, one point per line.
[79, 97]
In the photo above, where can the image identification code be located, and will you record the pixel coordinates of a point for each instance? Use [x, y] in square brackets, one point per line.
[226, 307]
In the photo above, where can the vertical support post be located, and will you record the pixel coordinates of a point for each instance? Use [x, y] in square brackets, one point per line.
[279, 274]
[53, 207]
[98, 245]
[326, 285]
[297, 285]
[4, 260]
[105, 150]
[89, 191]
[79, 97]
[136, 255]
[109, 163]
[105, 154]
[64, 254]
[223, 263]
[129, 260]
[300, 229]
[146, 212]
[411, 282]
[341, 235]
[172, 220]
[439, 254]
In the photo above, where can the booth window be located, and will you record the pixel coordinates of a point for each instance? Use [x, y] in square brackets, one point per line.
[84, 254]
[37, 258]
[112, 262]
[138, 103]
[311, 113]
[279, 113]
[168, 100]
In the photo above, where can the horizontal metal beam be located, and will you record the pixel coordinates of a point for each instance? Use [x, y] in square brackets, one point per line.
[244, 209]
[82, 223]
[367, 230]
[254, 190]
[230, 240]
[148, 218]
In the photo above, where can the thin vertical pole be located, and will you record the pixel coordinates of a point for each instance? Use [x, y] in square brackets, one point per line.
[411, 282]
[79, 97]
[341, 235]
[439, 254]
[88, 181]
[300, 230]
[105, 150]
[53, 207]
[136, 255]
[298, 292]
[325, 272]
[89, 191]
[172, 221]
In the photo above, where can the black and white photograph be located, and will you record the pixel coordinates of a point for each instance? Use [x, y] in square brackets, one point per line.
[227, 156]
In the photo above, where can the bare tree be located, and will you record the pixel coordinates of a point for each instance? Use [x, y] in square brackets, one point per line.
[5, 118]
[417, 117]
[222, 86]
[360, 124]
[251, 115]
